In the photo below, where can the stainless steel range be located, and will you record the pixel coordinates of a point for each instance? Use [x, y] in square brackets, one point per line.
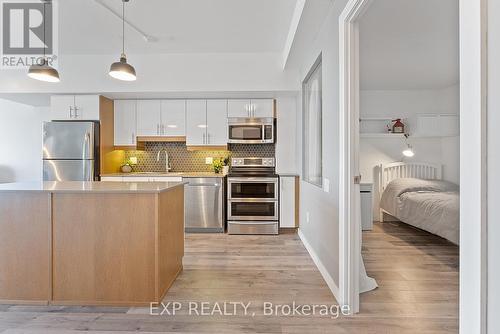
[252, 199]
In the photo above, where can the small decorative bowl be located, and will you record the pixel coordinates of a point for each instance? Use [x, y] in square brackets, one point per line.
[126, 168]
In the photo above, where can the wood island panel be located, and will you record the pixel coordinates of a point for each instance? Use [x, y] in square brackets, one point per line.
[104, 248]
[170, 238]
[25, 248]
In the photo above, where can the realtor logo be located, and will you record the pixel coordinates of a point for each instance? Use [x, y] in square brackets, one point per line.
[28, 33]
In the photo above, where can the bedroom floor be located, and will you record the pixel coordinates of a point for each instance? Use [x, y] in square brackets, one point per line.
[417, 274]
[418, 277]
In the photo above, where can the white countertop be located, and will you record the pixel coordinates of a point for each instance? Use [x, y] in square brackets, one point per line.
[169, 174]
[90, 187]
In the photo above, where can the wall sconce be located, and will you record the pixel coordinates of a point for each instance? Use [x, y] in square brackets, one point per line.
[408, 151]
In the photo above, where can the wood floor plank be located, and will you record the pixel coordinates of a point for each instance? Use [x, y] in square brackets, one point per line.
[417, 275]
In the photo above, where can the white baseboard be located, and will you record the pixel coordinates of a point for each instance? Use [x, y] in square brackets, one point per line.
[322, 269]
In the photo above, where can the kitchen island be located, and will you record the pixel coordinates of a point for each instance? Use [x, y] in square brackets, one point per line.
[90, 243]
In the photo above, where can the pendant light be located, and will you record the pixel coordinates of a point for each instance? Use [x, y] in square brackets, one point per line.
[121, 70]
[408, 151]
[43, 71]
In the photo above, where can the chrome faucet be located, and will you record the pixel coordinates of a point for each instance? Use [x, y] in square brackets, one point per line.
[167, 163]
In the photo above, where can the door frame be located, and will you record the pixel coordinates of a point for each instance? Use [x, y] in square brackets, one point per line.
[473, 17]
[349, 212]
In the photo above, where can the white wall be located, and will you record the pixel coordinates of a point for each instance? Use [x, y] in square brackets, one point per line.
[21, 141]
[322, 229]
[493, 167]
[162, 73]
[407, 104]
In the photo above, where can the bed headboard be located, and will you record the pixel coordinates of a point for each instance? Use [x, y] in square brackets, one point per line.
[397, 170]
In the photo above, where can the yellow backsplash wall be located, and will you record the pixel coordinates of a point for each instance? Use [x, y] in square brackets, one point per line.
[182, 160]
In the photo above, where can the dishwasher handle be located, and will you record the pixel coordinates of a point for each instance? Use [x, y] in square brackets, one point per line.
[215, 185]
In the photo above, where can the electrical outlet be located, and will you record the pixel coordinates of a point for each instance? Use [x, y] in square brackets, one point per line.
[307, 217]
[326, 185]
[209, 160]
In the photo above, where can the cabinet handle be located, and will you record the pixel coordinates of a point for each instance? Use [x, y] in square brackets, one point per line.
[76, 112]
[208, 138]
[70, 112]
[204, 138]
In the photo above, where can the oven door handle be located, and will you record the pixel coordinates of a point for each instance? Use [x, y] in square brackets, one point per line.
[252, 180]
[253, 200]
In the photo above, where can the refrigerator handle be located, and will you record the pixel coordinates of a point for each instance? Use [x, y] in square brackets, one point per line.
[85, 145]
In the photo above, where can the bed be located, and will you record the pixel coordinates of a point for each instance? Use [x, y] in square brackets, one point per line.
[415, 194]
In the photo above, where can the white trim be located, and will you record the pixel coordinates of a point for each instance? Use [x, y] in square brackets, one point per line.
[349, 207]
[326, 276]
[473, 182]
[292, 31]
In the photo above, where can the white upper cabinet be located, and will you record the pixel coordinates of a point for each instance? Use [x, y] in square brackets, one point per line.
[262, 108]
[238, 108]
[250, 108]
[62, 107]
[74, 107]
[125, 123]
[216, 122]
[87, 107]
[149, 118]
[196, 122]
[173, 117]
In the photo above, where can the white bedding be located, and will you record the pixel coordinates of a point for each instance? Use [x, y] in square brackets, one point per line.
[431, 205]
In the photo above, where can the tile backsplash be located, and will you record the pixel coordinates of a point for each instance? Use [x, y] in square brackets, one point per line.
[182, 160]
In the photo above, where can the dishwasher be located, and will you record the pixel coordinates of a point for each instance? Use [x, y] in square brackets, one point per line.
[204, 204]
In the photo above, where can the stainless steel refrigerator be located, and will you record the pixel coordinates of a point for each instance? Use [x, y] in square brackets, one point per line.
[70, 151]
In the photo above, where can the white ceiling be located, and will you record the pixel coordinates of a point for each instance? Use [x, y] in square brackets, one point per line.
[409, 44]
[178, 26]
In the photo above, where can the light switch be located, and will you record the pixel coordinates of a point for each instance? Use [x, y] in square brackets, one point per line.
[209, 160]
[326, 185]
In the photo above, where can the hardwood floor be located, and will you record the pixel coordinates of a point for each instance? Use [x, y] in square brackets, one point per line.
[417, 274]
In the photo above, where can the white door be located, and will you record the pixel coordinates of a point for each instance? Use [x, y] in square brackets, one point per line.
[196, 122]
[87, 107]
[148, 118]
[62, 107]
[173, 117]
[217, 122]
[125, 123]
[287, 201]
[238, 108]
[262, 108]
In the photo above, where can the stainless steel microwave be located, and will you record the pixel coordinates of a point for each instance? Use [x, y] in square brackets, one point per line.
[251, 130]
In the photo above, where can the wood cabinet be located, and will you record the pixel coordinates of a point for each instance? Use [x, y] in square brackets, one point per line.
[74, 107]
[148, 118]
[250, 108]
[288, 201]
[125, 123]
[173, 118]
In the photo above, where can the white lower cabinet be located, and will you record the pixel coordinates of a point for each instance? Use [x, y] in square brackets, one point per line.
[288, 205]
